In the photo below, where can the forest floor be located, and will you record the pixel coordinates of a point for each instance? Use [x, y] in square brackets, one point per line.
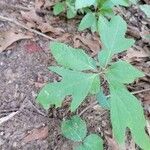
[26, 30]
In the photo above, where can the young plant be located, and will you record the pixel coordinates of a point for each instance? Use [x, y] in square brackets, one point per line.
[65, 6]
[75, 129]
[81, 76]
[92, 10]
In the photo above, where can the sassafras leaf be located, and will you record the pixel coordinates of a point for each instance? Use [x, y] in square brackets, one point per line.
[87, 21]
[71, 58]
[126, 111]
[112, 35]
[84, 3]
[76, 84]
[74, 128]
[91, 142]
[123, 72]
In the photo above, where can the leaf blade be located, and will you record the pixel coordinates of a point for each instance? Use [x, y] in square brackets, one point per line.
[58, 8]
[54, 93]
[103, 100]
[84, 3]
[72, 58]
[124, 2]
[74, 129]
[87, 21]
[126, 111]
[91, 142]
[123, 72]
[112, 35]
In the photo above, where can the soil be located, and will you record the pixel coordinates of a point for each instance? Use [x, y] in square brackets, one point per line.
[23, 72]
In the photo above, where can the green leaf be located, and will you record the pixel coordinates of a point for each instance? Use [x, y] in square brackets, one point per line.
[76, 84]
[146, 9]
[71, 12]
[84, 3]
[123, 72]
[102, 100]
[126, 111]
[112, 35]
[120, 2]
[71, 58]
[91, 142]
[59, 8]
[104, 58]
[95, 88]
[124, 2]
[74, 129]
[87, 21]
[106, 8]
[94, 25]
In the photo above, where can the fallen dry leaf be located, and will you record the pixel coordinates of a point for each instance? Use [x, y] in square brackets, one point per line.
[36, 134]
[135, 54]
[9, 37]
[37, 22]
[146, 99]
[43, 4]
[39, 4]
[46, 27]
[112, 143]
[49, 4]
[93, 45]
[64, 37]
[31, 16]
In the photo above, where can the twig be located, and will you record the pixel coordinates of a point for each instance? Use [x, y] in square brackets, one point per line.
[88, 107]
[96, 103]
[11, 115]
[25, 27]
[141, 91]
[4, 119]
[15, 7]
[41, 113]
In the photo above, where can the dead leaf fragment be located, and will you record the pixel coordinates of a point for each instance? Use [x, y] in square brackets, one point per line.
[31, 16]
[112, 143]
[93, 45]
[64, 37]
[135, 54]
[37, 134]
[9, 37]
[33, 20]
[39, 4]
[46, 27]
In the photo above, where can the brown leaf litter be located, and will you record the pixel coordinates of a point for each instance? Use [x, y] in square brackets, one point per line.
[34, 20]
[36, 134]
[9, 37]
[133, 54]
[92, 43]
